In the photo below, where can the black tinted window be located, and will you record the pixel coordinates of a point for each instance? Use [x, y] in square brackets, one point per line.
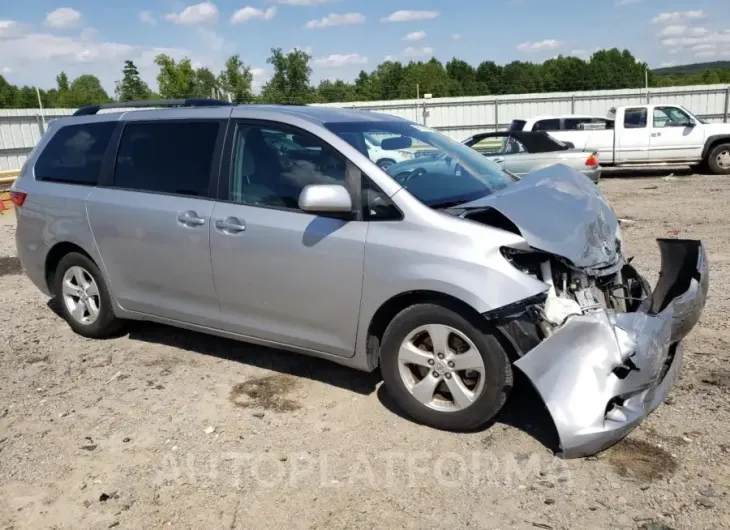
[376, 205]
[547, 125]
[272, 166]
[635, 119]
[75, 153]
[167, 157]
[517, 125]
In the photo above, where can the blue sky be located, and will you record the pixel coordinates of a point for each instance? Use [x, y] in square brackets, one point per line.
[38, 38]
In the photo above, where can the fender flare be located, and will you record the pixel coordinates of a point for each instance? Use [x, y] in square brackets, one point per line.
[711, 140]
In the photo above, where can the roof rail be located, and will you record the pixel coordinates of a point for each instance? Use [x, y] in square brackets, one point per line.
[93, 109]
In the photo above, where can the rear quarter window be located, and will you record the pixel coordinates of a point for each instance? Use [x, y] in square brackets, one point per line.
[75, 153]
[517, 125]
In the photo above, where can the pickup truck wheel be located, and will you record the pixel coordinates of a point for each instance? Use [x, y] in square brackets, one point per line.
[719, 159]
[443, 369]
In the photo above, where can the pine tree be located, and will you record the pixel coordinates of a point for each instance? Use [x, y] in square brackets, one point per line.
[131, 87]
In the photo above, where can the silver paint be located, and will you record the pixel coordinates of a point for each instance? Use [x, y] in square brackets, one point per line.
[578, 370]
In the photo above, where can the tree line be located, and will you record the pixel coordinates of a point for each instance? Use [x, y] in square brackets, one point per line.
[291, 80]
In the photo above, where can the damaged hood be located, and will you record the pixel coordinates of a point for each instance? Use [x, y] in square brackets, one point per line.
[559, 210]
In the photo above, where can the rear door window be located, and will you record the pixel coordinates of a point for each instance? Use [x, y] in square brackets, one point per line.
[547, 125]
[174, 157]
[75, 153]
[635, 118]
[585, 124]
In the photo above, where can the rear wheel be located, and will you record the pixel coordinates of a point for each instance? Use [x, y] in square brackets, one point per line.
[385, 163]
[442, 369]
[718, 159]
[83, 297]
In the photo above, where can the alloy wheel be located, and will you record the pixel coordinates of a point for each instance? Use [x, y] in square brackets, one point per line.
[441, 367]
[81, 295]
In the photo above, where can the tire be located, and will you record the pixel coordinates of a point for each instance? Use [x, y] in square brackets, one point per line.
[385, 163]
[96, 320]
[495, 379]
[713, 159]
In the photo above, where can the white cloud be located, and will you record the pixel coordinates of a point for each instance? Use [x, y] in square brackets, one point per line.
[63, 18]
[415, 35]
[340, 61]
[7, 70]
[305, 49]
[704, 47]
[146, 17]
[9, 29]
[678, 16]
[456, 36]
[335, 19]
[249, 13]
[549, 44]
[195, 14]
[673, 30]
[417, 52]
[696, 36]
[668, 64]
[410, 16]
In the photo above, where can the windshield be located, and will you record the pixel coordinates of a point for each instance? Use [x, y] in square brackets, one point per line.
[438, 171]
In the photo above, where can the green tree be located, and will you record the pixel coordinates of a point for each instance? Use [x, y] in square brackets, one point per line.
[131, 87]
[206, 84]
[335, 91]
[176, 80]
[290, 82]
[86, 90]
[235, 80]
[489, 76]
[63, 91]
[8, 94]
[463, 77]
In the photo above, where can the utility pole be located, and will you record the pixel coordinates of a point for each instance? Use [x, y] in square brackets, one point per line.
[418, 98]
[40, 106]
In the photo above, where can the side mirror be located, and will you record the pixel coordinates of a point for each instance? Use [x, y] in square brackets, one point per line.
[325, 198]
[691, 123]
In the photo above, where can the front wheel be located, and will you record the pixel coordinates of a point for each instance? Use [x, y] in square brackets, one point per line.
[718, 160]
[385, 163]
[442, 369]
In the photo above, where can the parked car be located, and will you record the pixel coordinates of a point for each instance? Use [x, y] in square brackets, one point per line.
[448, 283]
[644, 135]
[384, 157]
[516, 151]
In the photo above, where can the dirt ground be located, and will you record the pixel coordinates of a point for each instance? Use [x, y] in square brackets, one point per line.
[174, 429]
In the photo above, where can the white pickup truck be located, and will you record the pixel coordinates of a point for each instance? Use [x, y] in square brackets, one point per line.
[642, 135]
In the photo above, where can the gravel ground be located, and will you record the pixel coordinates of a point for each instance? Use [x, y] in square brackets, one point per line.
[168, 428]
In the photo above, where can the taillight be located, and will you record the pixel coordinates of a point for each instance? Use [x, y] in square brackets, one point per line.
[17, 197]
[592, 161]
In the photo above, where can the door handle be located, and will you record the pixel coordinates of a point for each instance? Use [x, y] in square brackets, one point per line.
[654, 135]
[230, 225]
[190, 218]
[498, 160]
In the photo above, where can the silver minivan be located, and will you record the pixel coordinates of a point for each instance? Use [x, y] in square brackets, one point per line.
[271, 224]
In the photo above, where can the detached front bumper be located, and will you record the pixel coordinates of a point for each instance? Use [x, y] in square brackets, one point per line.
[603, 372]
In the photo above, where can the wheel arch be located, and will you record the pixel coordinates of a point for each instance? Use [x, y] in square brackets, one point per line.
[387, 311]
[712, 142]
[56, 254]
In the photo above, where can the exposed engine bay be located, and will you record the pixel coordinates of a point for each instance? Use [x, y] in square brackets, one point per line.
[575, 291]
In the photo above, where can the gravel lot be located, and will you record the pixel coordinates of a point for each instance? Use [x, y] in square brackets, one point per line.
[168, 428]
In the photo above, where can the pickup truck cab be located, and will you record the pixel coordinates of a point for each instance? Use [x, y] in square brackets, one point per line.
[643, 135]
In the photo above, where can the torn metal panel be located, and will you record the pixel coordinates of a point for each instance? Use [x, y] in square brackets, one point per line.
[558, 210]
[603, 372]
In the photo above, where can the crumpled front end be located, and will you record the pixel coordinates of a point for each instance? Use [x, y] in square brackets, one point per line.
[600, 370]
